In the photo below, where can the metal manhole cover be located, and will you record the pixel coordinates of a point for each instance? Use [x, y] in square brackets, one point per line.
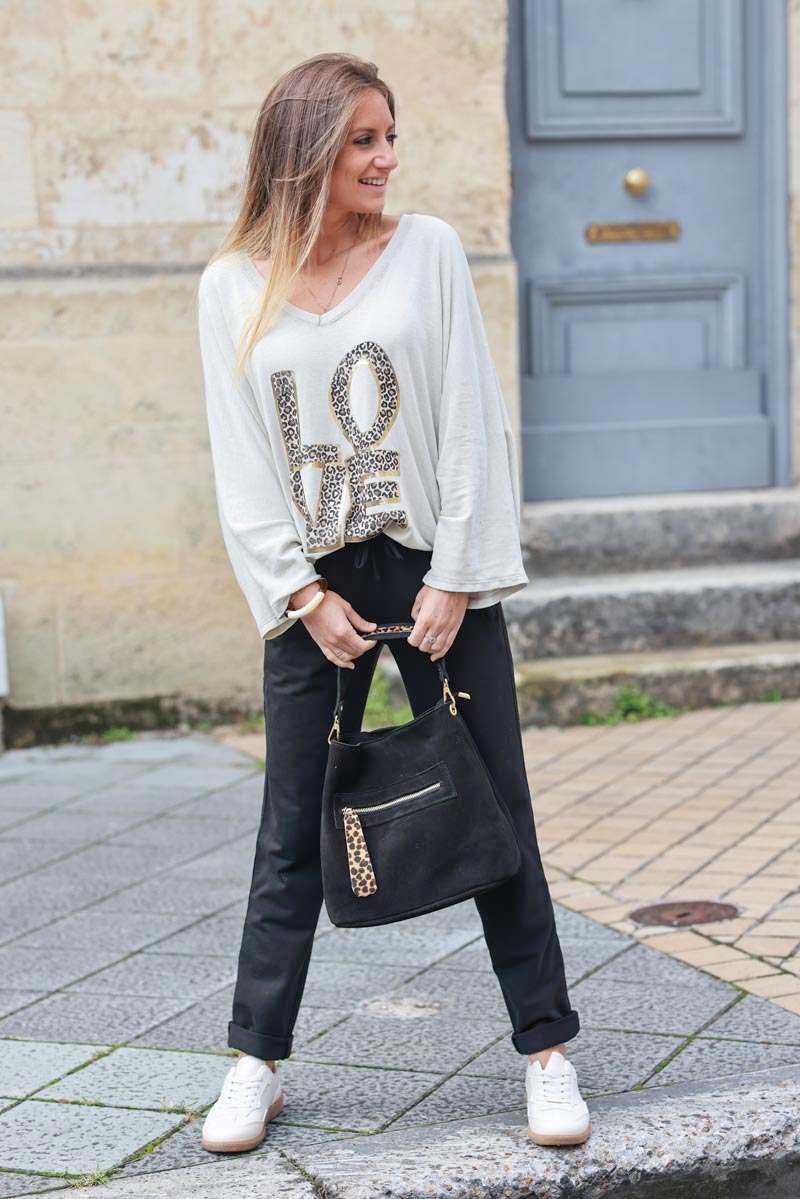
[699, 911]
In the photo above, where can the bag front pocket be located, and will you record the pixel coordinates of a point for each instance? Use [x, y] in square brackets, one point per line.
[357, 810]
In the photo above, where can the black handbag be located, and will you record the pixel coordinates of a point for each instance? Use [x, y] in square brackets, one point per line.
[411, 818]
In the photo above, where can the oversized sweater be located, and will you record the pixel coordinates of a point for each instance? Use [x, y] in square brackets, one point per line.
[383, 413]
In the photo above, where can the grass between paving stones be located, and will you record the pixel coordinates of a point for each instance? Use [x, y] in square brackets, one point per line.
[632, 704]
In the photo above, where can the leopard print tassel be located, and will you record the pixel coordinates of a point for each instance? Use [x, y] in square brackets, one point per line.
[362, 875]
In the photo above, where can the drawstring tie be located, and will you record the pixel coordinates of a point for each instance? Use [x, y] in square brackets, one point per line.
[366, 552]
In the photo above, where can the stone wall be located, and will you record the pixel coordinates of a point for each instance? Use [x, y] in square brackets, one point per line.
[124, 134]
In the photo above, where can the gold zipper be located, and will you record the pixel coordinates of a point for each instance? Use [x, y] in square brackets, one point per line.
[388, 803]
[362, 872]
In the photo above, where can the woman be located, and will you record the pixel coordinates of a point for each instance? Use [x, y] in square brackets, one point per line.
[365, 472]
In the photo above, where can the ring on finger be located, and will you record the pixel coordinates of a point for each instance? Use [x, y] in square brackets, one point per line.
[432, 638]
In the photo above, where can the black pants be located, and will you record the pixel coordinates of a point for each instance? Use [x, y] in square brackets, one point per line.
[381, 578]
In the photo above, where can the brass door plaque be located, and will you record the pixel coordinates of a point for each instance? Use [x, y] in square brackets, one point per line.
[634, 231]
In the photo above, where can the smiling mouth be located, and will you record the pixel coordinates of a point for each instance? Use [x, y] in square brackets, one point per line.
[376, 183]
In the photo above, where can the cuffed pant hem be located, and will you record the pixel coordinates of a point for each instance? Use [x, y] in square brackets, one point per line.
[257, 1044]
[546, 1034]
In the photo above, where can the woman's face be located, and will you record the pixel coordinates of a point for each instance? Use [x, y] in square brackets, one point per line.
[367, 155]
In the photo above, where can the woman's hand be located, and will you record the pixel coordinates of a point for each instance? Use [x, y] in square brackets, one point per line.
[331, 624]
[439, 614]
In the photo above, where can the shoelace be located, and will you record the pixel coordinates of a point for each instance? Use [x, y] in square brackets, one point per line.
[555, 1088]
[243, 1092]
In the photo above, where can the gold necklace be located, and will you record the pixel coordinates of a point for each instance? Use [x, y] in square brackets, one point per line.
[338, 283]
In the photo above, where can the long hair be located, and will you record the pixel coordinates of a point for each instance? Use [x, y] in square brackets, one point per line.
[300, 128]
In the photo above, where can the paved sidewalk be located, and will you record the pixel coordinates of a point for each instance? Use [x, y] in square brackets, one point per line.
[126, 869]
[700, 806]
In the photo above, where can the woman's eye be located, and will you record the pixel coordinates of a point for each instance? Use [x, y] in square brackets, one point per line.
[364, 141]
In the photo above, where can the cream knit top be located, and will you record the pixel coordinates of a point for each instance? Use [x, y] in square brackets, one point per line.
[383, 413]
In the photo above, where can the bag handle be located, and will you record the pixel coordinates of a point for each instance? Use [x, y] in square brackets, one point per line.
[387, 632]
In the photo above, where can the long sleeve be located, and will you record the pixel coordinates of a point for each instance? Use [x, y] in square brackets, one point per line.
[259, 532]
[476, 546]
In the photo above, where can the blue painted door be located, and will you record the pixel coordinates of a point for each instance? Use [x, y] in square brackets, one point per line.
[644, 362]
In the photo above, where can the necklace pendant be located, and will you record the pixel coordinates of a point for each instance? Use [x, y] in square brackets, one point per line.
[338, 281]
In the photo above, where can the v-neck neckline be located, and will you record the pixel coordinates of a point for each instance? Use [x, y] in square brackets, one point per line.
[365, 283]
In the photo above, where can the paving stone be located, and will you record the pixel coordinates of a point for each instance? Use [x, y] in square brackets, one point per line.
[26, 1184]
[35, 795]
[462, 1096]
[20, 853]
[137, 796]
[580, 956]
[80, 776]
[643, 1007]
[186, 832]
[244, 801]
[573, 924]
[205, 747]
[332, 984]
[231, 862]
[463, 914]
[606, 1061]
[473, 996]
[754, 1019]
[26, 1066]
[12, 819]
[392, 945]
[171, 894]
[435, 1041]
[72, 1138]
[643, 964]
[11, 1000]
[145, 1078]
[48, 969]
[348, 1097]
[311, 1021]
[184, 1149]
[93, 929]
[703, 1060]
[201, 776]
[144, 749]
[203, 1026]
[218, 935]
[80, 1018]
[103, 866]
[70, 826]
[190, 976]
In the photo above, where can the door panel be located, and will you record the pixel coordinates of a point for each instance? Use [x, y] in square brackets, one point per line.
[643, 361]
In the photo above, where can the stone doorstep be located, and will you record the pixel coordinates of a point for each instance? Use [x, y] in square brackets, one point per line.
[651, 531]
[689, 1136]
[554, 691]
[691, 605]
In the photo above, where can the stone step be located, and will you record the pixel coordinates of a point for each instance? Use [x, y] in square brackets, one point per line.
[645, 610]
[626, 533]
[558, 690]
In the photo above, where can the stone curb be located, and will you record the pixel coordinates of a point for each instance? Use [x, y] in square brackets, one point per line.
[692, 1141]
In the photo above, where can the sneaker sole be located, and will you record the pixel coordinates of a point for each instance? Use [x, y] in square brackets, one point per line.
[575, 1138]
[251, 1142]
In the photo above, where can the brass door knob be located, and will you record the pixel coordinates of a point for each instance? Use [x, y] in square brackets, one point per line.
[636, 181]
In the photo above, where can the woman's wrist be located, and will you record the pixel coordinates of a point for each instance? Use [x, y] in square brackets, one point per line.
[300, 597]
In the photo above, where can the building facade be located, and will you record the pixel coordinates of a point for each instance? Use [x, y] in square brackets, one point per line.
[632, 246]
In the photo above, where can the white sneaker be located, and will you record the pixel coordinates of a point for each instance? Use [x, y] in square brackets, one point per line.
[252, 1094]
[557, 1115]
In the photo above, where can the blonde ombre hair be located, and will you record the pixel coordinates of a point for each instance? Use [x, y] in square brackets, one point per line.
[301, 127]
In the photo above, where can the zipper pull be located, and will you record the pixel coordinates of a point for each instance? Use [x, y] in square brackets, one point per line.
[362, 874]
[464, 694]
